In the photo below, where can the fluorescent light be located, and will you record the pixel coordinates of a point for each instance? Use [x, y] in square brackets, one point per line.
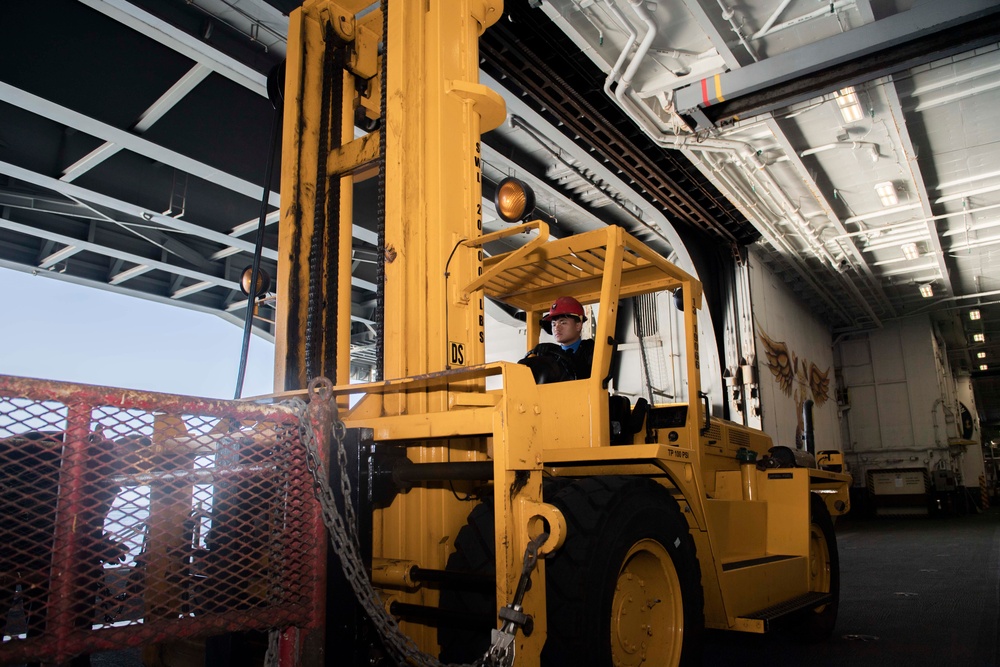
[979, 338]
[980, 355]
[983, 367]
[974, 314]
[910, 250]
[926, 291]
[850, 107]
[887, 193]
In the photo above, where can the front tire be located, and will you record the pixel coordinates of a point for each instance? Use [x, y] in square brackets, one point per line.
[625, 588]
[824, 574]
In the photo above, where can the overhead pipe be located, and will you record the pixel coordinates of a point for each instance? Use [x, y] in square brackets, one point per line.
[896, 240]
[745, 155]
[664, 137]
[727, 15]
[629, 43]
[937, 302]
[840, 144]
[832, 9]
[775, 237]
[886, 229]
[771, 19]
[647, 41]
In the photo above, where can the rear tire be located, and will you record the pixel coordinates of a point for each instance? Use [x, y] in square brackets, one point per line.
[625, 588]
[824, 574]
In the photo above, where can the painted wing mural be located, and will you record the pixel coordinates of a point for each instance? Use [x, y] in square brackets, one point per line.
[819, 384]
[804, 378]
[780, 362]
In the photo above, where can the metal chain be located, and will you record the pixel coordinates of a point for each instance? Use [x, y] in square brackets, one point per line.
[344, 538]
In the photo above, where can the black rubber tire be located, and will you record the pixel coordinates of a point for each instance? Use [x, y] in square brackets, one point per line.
[817, 624]
[607, 517]
[475, 553]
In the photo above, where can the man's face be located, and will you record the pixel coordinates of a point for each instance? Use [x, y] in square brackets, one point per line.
[566, 329]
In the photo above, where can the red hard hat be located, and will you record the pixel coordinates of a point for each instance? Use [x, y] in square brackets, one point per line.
[565, 305]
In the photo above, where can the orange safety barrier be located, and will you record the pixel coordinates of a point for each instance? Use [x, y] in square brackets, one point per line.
[129, 518]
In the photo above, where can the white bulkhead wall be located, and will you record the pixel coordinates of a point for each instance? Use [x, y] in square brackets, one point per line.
[800, 367]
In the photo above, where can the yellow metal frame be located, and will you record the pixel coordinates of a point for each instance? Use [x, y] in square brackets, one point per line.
[435, 404]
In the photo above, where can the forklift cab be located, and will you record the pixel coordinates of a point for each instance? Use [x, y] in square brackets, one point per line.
[600, 268]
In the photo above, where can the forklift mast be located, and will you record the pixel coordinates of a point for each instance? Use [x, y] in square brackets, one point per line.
[419, 87]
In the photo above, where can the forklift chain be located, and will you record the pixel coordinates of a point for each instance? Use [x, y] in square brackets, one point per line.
[344, 539]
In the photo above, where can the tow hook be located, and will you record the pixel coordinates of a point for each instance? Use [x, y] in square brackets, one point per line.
[501, 653]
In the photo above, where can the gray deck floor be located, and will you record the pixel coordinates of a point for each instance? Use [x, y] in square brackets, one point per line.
[915, 592]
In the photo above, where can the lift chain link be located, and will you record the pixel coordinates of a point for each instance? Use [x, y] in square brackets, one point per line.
[344, 538]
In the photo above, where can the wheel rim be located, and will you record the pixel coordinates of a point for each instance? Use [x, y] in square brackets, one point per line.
[819, 562]
[647, 612]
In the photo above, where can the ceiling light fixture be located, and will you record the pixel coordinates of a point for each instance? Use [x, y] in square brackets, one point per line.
[886, 192]
[979, 338]
[910, 250]
[974, 314]
[980, 355]
[850, 107]
[983, 367]
[926, 291]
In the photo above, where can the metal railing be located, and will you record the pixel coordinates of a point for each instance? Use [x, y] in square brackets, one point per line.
[129, 518]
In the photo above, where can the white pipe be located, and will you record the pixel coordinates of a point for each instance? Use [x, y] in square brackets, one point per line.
[771, 19]
[833, 9]
[640, 53]
[897, 240]
[838, 144]
[753, 168]
[885, 229]
[632, 34]
[727, 15]
[979, 243]
[884, 212]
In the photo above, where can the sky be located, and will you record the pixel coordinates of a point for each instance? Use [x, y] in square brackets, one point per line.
[57, 330]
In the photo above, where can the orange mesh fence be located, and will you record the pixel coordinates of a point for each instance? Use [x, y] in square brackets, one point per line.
[129, 518]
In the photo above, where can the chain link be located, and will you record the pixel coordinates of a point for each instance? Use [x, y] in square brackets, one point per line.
[344, 538]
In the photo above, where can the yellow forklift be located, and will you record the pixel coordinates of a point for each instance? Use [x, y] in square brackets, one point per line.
[534, 521]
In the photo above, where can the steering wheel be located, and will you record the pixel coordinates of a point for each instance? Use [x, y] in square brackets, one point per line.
[550, 363]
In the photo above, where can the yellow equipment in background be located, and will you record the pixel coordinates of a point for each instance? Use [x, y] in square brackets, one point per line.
[637, 525]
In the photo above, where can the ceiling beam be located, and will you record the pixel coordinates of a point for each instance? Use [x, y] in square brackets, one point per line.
[917, 179]
[145, 23]
[101, 249]
[76, 192]
[927, 32]
[157, 110]
[857, 259]
[129, 141]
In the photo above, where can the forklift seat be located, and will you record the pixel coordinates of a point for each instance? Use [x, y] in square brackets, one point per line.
[625, 420]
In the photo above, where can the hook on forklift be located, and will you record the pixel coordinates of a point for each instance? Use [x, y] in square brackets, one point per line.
[501, 653]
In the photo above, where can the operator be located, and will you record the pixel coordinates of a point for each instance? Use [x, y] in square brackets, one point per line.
[566, 318]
